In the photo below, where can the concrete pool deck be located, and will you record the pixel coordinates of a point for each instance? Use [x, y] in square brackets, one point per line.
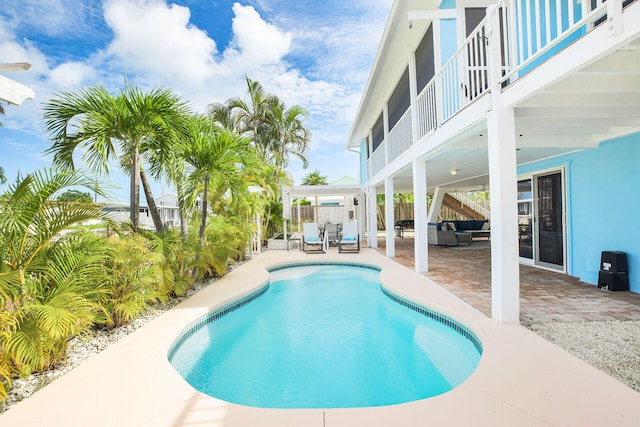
[522, 379]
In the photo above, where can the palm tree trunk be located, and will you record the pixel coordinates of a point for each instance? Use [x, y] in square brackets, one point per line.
[183, 220]
[151, 203]
[203, 224]
[134, 192]
[181, 210]
[178, 177]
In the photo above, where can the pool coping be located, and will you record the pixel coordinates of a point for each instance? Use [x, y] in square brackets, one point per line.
[521, 379]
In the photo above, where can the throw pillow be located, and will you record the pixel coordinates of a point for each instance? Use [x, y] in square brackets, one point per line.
[486, 226]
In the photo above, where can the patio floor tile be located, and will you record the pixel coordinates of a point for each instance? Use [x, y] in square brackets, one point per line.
[545, 296]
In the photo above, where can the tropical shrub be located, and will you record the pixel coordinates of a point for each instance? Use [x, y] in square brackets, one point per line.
[46, 279]
[225, 241]
[134, 274]
[63, 299]
[177, 257]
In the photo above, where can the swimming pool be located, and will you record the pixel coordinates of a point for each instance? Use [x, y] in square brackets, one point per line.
[325, 336]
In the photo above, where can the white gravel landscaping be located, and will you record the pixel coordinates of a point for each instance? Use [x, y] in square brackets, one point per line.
[611, 346]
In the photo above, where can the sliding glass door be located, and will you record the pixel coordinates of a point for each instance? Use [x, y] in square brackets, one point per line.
[525, 219]
[550, 228]
[541, 214]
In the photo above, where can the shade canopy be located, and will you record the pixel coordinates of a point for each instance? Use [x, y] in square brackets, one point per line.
[11, 91]
[323, 190]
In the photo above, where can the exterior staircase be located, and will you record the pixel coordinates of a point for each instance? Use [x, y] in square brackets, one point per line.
[459, 206]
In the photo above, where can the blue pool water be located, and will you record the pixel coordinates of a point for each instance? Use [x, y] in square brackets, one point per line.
[325, 336]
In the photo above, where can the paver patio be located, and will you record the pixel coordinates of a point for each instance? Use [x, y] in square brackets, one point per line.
[545, 296]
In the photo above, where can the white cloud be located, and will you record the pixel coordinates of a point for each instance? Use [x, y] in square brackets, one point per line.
[71, 74]
[255, 41]
[157, 39]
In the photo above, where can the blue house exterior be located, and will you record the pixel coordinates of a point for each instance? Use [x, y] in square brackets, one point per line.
[537, 102]
[602, 189]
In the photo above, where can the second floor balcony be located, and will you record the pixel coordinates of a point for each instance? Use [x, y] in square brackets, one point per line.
[512, 41]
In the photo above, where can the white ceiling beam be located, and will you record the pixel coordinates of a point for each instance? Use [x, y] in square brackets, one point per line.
[431, 15]
[559, 141]
[597, 83]
[576, 122]
[600, 100]
[616, 62]
[562, 130]
[617, 133]
[578, 112]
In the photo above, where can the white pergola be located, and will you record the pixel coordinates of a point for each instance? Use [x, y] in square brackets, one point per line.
[11, 91]
[347, 191]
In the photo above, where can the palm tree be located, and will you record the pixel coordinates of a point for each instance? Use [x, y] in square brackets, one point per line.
[119, 127]
[218, 157]
[315, 178]
[275, 131]
[288, 134]
[3, 177]
[252, 117]
[2, 112]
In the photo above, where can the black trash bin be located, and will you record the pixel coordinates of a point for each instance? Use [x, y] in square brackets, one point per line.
[613, 274]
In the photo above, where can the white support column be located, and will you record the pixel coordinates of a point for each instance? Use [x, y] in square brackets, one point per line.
[614, 17]
[372, 218]
[503, 180]
[361, 208]
[298, 214]
[363, 221]
[436, 204]
[389, 217]
[284, 227]
[421, 246]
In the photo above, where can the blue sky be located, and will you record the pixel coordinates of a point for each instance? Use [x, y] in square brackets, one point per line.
[311, 52]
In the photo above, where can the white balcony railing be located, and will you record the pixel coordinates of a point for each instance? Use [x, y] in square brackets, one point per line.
[378, 160]
[399, 139]
[532, 31]
[464, 77]
[425, 107]
[527, 33]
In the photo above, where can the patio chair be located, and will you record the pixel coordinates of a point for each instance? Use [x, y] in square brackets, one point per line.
[331, 230]
[441, 237]
[311, 238]
[349, 238]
